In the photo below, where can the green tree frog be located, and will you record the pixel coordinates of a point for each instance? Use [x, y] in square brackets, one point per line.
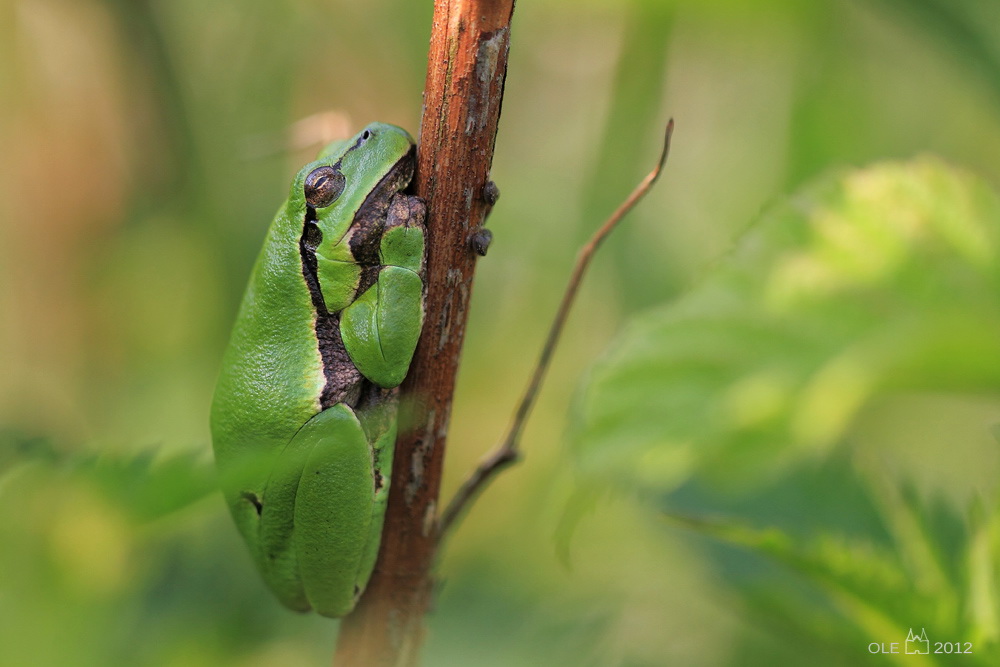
[304, 414]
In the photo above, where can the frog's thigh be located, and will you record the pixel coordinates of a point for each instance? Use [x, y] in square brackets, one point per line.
[333, 509]
[276, 557]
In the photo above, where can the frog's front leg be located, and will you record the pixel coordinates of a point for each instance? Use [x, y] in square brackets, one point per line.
[380, 329]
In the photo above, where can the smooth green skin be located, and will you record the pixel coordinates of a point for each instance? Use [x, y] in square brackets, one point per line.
[307, 486]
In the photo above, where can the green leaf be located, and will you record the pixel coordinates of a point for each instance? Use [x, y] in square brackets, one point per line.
[862, 285]
[147, 486]
[879, 590]
[745, 402]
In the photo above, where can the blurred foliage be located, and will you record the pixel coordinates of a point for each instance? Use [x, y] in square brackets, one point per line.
[863, 287]
[147, 145]
[877, 282]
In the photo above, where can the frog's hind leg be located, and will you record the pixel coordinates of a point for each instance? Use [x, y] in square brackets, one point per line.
[378, 414]
[333, 510]
[276, 559]
[315, 514]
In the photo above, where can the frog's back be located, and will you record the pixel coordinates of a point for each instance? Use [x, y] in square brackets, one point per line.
[272, 373]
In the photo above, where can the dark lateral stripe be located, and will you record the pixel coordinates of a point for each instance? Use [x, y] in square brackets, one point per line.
[342, 378]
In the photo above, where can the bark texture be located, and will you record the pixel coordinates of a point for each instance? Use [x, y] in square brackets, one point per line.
[467, 65]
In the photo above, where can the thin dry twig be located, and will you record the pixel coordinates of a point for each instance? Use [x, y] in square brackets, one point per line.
[507, 451]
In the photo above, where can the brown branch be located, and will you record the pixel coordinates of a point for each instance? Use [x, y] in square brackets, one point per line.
[467, 65]
[507, 452]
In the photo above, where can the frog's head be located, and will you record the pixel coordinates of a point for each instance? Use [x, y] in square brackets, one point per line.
[354, 174]
[344, 196]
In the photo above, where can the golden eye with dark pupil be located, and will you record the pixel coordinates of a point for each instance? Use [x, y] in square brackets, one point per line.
[322, 187]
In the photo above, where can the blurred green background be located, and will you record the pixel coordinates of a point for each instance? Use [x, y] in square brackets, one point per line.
[146, 146]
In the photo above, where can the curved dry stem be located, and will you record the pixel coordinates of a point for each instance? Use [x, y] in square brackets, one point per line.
[507, 452]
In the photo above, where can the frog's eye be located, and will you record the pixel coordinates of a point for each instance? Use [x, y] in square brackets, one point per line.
[323, 185]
